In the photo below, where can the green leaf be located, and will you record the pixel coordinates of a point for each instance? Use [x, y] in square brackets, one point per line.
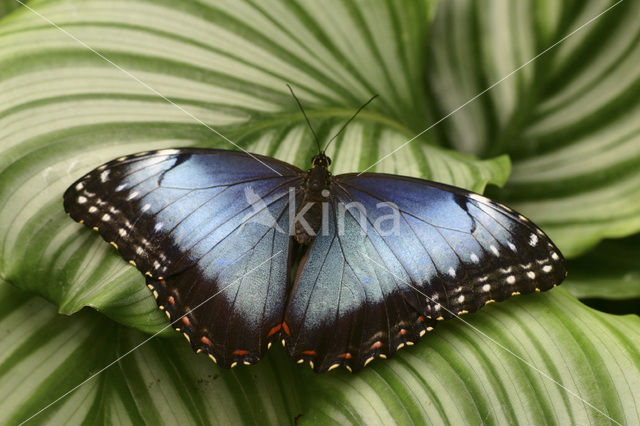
[64, 110]
[568, 119]
[610, 271]
[80, 111]
[491, 369]
[8, 6]
[470, 373]
[46, 355]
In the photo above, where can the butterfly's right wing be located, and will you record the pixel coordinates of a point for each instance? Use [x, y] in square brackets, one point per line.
[209, 229]
[417, 252]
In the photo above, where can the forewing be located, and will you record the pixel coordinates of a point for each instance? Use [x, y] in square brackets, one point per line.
[421, 252]
[209, 229]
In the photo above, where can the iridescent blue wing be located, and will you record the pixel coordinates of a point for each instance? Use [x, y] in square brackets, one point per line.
[209, 229]
[374, 283]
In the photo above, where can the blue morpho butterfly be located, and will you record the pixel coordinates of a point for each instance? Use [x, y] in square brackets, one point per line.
[215, 233]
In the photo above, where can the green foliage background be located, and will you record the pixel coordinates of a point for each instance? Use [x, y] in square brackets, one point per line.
[560, 138]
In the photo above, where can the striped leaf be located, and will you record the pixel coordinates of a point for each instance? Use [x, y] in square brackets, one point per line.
[548, 359]
[569, 119]
[530, 360]
[70, 110]
[7, 6]
[610, 271]
[177, 70]
[45, 356]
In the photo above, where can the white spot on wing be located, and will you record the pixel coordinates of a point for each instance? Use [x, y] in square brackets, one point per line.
[106, 217]
[158, 226]
[452, 272]
[512, 246]
[511, 279]
[494, 250]
[93, 209]
[120, 187]
[82, 200]
[79, 186]
[533, 240]
[146, 207]
[486, 287]
[547, 268]
[460, 299]
[104, 176]
[555, 256]
[133, 195]
[474, 258]
[531, 274]
[122, 232]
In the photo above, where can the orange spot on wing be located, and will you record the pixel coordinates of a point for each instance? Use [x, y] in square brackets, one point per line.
[285, 327]
[171, 300]
[240, 352]
[313, 353]
[206, 341]
[345, 355]
[421, 318]
[185, 321]
[274, 330]
[402, 332]
[376, 345]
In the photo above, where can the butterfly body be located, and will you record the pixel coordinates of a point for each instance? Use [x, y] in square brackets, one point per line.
[384, 256]
[316, 191]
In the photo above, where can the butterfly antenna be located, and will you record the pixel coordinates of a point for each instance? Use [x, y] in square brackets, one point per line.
[349, 121]
[305, 116]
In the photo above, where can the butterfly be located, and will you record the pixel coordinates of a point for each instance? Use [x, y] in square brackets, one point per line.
[242, 250]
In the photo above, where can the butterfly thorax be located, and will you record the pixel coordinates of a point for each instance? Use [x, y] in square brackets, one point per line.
[316, 191]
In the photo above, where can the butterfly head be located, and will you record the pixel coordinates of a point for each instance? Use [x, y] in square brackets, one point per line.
[321, 160]
[319, 180]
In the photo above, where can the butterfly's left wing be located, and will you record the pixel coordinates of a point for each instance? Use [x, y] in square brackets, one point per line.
[400, 253]
[209, 229]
